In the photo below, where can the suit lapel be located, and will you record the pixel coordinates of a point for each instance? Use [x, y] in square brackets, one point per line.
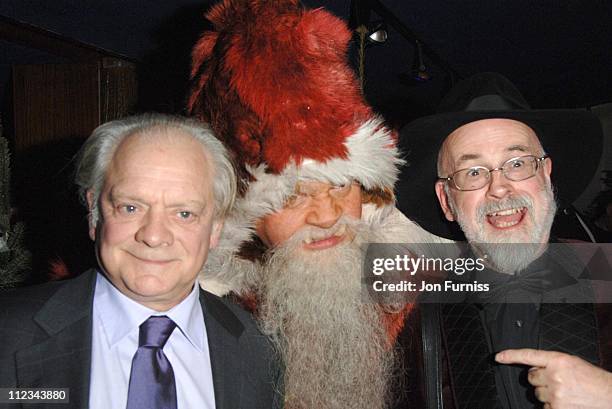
[63, 357]
[223, 330]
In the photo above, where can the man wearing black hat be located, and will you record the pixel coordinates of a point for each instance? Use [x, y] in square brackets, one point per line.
[494, 180]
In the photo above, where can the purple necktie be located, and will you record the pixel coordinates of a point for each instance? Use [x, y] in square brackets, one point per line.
[152, 383]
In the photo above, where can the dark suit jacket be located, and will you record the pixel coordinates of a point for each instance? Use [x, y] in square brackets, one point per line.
[45, 342]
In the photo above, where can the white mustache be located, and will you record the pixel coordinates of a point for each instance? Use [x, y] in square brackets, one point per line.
[312, 233]
[320, 235]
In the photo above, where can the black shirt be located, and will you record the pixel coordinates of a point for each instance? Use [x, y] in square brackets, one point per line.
[510, 315]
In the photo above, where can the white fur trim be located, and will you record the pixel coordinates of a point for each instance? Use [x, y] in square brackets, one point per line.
[373, 160]
[223, 271]
[396, 227]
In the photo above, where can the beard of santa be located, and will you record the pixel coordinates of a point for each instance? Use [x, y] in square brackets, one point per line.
[333, 344]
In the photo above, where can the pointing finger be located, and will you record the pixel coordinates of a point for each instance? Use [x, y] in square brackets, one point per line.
[526, 356]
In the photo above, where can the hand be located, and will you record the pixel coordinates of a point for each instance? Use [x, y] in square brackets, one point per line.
[561, 380]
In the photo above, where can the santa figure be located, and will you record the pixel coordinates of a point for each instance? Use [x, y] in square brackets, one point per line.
[317, 170]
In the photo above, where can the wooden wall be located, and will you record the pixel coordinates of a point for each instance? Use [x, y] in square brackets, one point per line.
[54, 101]
[63, 101]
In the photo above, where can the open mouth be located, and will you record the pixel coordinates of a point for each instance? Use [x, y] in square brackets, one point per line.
[503, 219]
[320, 242]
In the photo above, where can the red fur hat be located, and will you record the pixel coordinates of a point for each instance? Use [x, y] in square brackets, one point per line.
[273, 80]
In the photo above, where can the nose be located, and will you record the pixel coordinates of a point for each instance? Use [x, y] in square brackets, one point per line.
[154, 231]
[499, 186]
[324, 212]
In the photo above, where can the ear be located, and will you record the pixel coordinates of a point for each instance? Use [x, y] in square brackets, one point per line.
[443, 199]
[90, 206]
[215, 233]
[547, 168]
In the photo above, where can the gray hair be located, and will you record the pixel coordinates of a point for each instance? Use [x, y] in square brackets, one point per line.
[98, 150]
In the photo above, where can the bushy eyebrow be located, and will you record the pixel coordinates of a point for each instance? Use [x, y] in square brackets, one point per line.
[115, 196]
[520, 148]
[472, 156]
[468, 156]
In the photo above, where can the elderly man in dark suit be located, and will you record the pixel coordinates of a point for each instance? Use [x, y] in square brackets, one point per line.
[138, 332]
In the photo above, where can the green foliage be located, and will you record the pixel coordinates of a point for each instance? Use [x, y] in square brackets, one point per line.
[15, 260]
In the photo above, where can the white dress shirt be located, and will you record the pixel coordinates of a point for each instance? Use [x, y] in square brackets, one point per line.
[116, 319]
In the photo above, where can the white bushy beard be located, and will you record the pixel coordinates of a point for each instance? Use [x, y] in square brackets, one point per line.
[509, 253]
[333, 345]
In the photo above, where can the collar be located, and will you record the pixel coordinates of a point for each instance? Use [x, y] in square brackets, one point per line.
[551, 271]
[120, 314]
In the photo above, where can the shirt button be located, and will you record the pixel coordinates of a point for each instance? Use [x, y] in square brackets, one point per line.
[519, 323]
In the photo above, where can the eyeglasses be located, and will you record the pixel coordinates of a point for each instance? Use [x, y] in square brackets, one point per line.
[305, 191]
[477, 177]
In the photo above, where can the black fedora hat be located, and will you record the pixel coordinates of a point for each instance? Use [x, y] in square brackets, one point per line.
[572, 139]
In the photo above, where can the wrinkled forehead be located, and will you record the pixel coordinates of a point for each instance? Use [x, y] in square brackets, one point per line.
[163, 154]
[488, 140]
